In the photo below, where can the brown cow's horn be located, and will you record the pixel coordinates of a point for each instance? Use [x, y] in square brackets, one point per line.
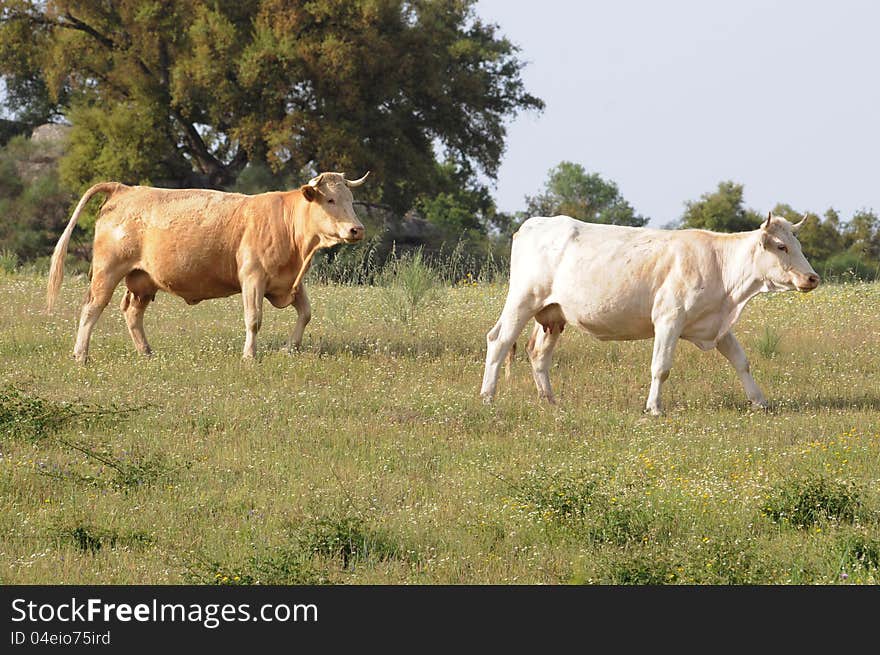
[357, 182]
[315, 181]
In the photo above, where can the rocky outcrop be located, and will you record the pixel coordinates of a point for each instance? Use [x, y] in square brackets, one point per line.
[47, 143]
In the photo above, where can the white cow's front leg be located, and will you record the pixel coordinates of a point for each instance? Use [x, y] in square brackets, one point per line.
[730, 348]
[252, 291]
[500, 340]
[666, 335]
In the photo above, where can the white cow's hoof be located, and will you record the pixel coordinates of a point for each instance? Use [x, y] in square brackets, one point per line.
[760, 405]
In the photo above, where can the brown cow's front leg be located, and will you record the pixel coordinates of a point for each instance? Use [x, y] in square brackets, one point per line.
[252, 291]
[303, 316]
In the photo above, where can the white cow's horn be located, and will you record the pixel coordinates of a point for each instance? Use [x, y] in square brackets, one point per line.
[357, 182]
[799, 224]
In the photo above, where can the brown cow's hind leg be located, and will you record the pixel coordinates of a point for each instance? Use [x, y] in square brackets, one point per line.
[141, 290]
[133, 307]
[101, 289]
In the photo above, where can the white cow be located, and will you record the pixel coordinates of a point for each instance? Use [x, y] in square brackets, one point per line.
[623, 283]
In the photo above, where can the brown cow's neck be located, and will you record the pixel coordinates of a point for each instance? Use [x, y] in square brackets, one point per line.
[304, 240]
[302, 237]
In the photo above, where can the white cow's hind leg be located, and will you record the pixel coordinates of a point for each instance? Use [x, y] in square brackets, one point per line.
[540, 349]
[730, 348]
[499, 341]
[303, 316]
[666, 335]
[252, 292]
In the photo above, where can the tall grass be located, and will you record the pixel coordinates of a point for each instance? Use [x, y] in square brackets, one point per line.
[368, 458]
[8, 261]
[374, 262]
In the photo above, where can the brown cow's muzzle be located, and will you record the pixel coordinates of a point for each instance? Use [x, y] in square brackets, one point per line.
[353, 234]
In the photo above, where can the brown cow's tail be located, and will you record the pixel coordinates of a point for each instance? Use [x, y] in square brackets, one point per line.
[56, 268]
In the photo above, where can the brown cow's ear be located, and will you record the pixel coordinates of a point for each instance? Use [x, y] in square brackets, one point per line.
[309, 192]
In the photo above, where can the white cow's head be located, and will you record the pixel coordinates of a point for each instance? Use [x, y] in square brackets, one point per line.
[332, 213]
[780, 260]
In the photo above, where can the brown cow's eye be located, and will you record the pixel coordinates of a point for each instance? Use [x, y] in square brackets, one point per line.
[783, 248]
[330, 201]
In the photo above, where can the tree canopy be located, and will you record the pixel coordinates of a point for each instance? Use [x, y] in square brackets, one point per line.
[570, 190]
[171, 90]
[721, 211]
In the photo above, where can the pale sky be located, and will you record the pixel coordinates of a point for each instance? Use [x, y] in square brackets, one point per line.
[669, 98]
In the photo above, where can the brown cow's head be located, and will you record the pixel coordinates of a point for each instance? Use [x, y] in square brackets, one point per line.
[780, 260]
[332, 213]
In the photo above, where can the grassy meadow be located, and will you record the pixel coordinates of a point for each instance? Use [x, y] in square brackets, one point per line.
[367, 458]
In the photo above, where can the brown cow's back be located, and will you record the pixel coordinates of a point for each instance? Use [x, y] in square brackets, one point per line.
[190, 242]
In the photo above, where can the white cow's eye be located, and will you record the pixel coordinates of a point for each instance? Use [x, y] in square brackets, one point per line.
[330, 201]
[783, 248]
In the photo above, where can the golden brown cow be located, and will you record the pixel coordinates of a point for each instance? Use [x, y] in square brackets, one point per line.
[200, 244]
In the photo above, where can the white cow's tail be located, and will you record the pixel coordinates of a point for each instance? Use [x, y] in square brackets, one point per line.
[56, 268]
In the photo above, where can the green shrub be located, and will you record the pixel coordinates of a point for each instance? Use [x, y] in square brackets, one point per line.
[408, 281]
[560, 497]
[768, 343]
[90, 539]
[860, 550]
[848, 267]
[349, 540]
[25, 416]
[802, 503]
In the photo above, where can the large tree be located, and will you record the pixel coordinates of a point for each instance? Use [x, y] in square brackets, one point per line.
[570, 190]
[157, 89]
[721, 211]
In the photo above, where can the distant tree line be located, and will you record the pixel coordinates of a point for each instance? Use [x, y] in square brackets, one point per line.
[258, 95]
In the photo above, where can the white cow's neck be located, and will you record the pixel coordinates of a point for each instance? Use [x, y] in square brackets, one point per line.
[738, 267]
[741, 284]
